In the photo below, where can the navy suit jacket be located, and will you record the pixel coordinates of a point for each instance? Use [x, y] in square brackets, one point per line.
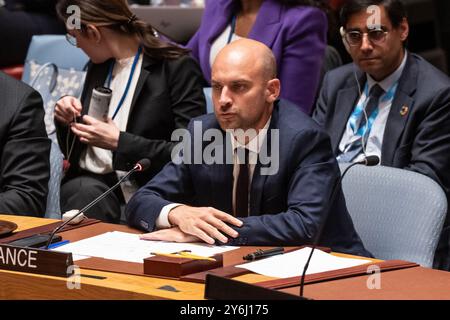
[285, 208]
[416, 140]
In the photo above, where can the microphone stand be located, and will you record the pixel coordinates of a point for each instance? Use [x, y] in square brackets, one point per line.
[137, 167]
[368, 161]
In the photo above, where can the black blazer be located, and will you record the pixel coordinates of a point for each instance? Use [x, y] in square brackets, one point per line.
[418, 139]
[168, 94]
[24, 150]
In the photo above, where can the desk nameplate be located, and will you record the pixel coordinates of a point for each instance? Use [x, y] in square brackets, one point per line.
[31, 260]
[161, 266]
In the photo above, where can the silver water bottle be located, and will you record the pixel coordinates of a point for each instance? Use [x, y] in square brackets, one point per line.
[99, 105]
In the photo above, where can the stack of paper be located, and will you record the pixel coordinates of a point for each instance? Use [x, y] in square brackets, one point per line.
[128, 247]
[291, 264]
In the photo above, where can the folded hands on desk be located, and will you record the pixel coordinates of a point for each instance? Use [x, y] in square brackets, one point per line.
[193, 224]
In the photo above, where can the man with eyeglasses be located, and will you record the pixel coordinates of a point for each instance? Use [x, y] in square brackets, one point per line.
[388, 102]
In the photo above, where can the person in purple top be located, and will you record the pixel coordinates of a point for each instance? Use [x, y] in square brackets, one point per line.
[295, 30]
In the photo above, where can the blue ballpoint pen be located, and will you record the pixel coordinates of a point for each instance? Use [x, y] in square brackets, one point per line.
[58, 244]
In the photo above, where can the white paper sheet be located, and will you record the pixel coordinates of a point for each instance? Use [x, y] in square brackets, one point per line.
[291, 264]
[76, 258]
[128, 247]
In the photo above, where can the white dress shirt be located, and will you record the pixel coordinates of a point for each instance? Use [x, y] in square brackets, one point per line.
[254, 146]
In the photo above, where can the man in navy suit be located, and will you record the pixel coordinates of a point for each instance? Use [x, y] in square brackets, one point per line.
[408, 126]
[242, 198]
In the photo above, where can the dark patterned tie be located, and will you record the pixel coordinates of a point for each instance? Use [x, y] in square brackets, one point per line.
[357, 147]
[242, 185]
[374, 96]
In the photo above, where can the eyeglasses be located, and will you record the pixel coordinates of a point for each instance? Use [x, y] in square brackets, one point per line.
[376, 36]
[71, 39]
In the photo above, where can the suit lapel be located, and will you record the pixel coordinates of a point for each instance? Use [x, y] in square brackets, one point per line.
[221, 183]
[345, 103]
[258, 180]
[221, 176]
[267, 23]
[223, 18]
[145, 72]
[222, 186]
[97, 77]
[400, 110]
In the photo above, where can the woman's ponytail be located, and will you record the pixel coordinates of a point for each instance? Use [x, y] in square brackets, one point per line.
[116, 15]
[153, 45]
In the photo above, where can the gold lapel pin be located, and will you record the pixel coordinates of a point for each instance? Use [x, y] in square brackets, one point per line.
[404, 111]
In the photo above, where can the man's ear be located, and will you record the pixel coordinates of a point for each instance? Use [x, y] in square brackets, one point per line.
[344, 41]
[93, 33]
[273, 90]
[404, 29]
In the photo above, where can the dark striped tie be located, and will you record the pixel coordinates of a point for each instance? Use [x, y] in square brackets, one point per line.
[356, 146]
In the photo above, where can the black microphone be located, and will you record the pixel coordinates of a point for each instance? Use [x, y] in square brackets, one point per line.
[140, 166]
[367, 161]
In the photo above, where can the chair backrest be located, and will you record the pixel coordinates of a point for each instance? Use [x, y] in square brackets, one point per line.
[207, 91]
[398, 213]
[56, 168]
[56, 50]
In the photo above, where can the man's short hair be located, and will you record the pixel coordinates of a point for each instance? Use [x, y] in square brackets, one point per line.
[395, 9]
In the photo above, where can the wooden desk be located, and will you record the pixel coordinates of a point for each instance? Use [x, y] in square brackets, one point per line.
[17, 285]
[406, 284]
[414, 283]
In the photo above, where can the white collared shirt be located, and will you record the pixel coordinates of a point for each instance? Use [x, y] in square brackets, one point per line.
[254, 146]
[375, 140]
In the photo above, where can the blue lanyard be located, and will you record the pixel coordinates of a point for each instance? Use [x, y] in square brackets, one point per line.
[127, 88]
[233, 28]
[389, 95]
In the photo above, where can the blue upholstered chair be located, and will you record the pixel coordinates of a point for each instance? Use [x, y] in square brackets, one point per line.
[398, 214]
[56, 50]
[207, 91]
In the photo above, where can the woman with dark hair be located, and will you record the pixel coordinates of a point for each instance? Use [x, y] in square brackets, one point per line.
[295, 30]
[156, 88]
